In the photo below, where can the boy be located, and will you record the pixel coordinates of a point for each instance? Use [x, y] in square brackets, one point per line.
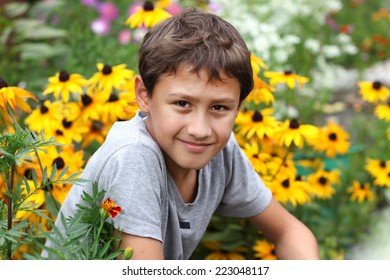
[176, 163]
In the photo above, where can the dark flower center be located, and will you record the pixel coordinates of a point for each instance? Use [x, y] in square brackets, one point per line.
[257, 117]
[28, 173]
[44, 109]
[3, 83]
[288, 72]
[255, 156]
[333, 136]
[286, 183]
[59, 162]
[376, 85]
[148, 6]
[113, 98]
[86, 100]
[97, 126]
[294, 124]
[362, 187]
[59, 132]
[323, 180]
[64, 76]
[107, 70]
[382, 164]
[66, 123]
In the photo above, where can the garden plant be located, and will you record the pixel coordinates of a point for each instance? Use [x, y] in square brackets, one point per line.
[315, 127]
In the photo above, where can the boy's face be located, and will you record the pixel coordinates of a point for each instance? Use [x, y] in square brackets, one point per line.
[190, 118]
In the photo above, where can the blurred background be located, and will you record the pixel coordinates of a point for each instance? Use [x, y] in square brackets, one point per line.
[335, 52]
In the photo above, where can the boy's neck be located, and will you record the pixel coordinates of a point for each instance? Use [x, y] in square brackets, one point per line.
[187, 185]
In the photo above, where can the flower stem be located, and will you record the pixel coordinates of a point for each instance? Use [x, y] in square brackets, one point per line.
[10, 212]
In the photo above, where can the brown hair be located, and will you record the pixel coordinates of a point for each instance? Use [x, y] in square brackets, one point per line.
[200, 39]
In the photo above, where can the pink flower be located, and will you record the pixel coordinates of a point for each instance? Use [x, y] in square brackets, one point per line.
[124, 36]
[101, 26]
[108, 11]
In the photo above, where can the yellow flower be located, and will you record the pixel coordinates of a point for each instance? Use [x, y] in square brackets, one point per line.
[332, 139]
[287, 77]
[264, 250]
[63, 84]
[261, 93]
[257, 63]
[147, 16]
[220, 254]
[63, 156]
[110, 77]
[286, 189]
[322, 181]
[97, 133]
[373, 91]
[67, 132]
[45, 117]
[360, 192]
[15, 98]
[383, 111]
[292, 131]
[259, 123]
[380, 170]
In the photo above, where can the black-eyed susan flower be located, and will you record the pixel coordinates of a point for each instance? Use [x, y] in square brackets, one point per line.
[261, 93]
[63, 84]
[252, 151]
[292, 132]
[61, 157]
[260, 123]
[361, 192]
[46, 116]
[286, 77]
[257, 64]
[147, 16]
[373, 91]
[119, 106]
[97, 133]
[322, 182]
[332, 139]
[377, 167]
[264, 250]
[110, 208]
[286, 190]
[68, 132]
[383, 111]
[110, 77]
[220, 254]
[380, 170]
[15, 98]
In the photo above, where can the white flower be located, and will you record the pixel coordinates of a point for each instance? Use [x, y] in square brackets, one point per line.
[331, 51]
[313, 45]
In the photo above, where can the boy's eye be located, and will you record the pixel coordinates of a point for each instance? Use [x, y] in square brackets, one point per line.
[182, 103]
[218, 108]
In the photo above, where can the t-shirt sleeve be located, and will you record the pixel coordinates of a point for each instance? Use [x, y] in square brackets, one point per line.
[245, 193]
[134, 179]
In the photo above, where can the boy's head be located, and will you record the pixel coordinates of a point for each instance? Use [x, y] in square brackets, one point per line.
[199, 39]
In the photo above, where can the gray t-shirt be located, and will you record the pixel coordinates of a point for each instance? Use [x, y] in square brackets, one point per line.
[130, 166]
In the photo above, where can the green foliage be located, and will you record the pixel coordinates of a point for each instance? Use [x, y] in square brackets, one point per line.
[86, 235]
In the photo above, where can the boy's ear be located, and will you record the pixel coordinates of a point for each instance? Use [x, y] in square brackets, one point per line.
[141, 94]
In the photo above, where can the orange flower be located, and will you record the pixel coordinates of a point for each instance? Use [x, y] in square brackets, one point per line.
[111, 209]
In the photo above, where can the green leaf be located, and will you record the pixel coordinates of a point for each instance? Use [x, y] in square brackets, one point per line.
[15, 9]
[52, 204]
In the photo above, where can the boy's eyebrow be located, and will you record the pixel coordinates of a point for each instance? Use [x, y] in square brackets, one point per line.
[191, 98]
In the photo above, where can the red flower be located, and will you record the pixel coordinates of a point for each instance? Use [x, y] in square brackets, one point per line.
[109, 206]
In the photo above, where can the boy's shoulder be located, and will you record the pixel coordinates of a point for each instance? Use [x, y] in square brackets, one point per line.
[129, 135]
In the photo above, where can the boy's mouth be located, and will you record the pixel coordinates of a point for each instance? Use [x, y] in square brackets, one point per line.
[196, 147]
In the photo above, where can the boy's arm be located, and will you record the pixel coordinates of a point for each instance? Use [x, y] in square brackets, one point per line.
[292, 239]
[144, 248]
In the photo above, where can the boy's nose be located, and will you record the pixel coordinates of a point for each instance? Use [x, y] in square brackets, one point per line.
[199, 126]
